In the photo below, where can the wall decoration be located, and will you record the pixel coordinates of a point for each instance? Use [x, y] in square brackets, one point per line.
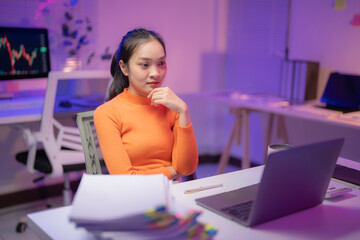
[340, 4]
[356, 20]
[72, 33]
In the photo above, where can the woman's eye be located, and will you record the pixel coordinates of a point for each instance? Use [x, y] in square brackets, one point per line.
[163, 63]
[144, 65]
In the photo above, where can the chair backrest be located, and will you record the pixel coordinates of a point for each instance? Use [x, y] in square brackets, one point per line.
[90, 143]
[62, 144]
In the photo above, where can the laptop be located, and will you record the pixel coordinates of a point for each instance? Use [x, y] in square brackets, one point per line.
[342, 93]
[293, 180]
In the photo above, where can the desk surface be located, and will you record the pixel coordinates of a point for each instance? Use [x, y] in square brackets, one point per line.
[27, 106]
[271, 104]
[334, 219]
[31, 108]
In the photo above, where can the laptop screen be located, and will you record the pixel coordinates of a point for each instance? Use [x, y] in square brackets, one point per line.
[342, 92]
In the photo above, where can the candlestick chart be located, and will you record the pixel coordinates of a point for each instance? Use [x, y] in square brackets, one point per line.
[23, 56]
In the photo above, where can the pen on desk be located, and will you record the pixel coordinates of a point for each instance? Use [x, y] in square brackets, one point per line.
[194, 190]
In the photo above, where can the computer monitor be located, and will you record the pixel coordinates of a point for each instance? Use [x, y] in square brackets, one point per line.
[342, 92]
[24, 53]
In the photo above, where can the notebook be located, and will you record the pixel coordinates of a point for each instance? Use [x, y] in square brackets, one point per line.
[293, 180]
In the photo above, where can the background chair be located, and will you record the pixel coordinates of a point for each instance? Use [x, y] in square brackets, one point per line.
[61, 148]
[55, 150]
[91, 149]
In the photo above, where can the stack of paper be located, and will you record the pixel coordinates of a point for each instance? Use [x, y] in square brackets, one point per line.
[133, 207]
[353, 117]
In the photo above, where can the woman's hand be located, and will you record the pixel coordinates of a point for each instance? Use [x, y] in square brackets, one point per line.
[165, 96]
[174, 174]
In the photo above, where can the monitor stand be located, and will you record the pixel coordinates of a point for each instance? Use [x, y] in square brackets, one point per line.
[8, 89]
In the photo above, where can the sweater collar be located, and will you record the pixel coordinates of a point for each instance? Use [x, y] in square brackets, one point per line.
[134, 99]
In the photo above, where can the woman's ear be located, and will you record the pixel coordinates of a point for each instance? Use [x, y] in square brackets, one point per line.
[124, 68]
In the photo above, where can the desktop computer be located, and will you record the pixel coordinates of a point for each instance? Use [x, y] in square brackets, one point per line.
[24, 55]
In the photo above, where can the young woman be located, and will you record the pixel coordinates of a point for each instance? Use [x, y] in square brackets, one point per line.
[144, 128]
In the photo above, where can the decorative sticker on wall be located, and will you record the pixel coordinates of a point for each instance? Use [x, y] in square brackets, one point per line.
[72, 33]
[340, 4]
[356, 20]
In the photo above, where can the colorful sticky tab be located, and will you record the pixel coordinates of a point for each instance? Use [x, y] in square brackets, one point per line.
[356, 20]
[340, 4]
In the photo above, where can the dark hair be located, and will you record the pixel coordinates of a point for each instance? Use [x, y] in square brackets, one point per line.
[126, 49]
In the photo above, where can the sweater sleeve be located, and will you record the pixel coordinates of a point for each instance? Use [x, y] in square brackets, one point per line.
[185, 153]
[115, 156]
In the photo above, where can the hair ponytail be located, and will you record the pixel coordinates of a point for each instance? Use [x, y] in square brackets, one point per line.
[120, 81]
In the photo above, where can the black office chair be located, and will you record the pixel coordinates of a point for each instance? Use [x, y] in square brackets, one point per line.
[43, 165]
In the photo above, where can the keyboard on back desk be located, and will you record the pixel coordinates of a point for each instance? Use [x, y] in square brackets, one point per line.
[347, 174]
[21, 104]
[317, 111]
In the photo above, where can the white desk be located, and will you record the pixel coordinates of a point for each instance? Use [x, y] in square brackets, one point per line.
[335, 219]
[33, 112]
[28, 113]
[241, 105]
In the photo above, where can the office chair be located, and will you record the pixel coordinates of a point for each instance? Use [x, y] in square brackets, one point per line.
[94, 164]
[61, 151]
[90, 144]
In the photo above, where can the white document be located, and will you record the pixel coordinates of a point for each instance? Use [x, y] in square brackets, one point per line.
[352, 116]
[317, 111]
[118, 199]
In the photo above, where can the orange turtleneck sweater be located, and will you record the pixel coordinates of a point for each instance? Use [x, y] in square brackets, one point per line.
[137, 138]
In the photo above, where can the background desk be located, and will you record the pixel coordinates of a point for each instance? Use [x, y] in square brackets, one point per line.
[334, 219]
[32, 103]
[241, 105]
[31, 108]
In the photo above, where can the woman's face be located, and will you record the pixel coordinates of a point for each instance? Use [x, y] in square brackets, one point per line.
[146, 68]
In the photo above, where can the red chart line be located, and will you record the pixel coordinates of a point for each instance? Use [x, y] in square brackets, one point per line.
[16, 55]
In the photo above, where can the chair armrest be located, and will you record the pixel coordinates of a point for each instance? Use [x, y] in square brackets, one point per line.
[31, 142]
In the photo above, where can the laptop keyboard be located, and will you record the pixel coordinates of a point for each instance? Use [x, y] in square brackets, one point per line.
[240, 211]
